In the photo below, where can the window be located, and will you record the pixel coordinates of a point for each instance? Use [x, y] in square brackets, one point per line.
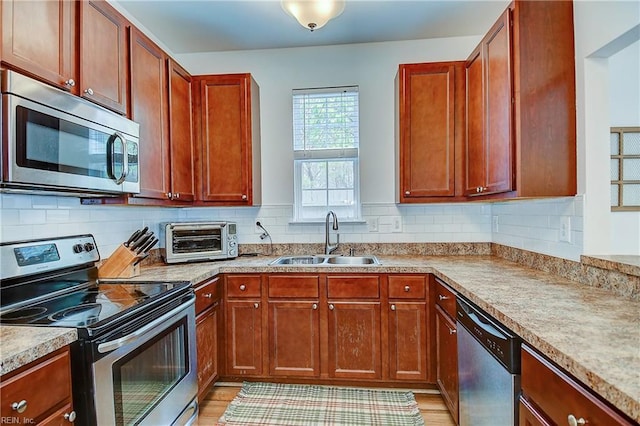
[325, 145]
[625, 168]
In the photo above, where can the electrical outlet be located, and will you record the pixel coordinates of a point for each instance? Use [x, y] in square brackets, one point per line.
[372, 224]
[565, 229]
[494, 224]
[396, 223]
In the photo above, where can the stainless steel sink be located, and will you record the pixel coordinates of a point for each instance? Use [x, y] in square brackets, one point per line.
[320, 259]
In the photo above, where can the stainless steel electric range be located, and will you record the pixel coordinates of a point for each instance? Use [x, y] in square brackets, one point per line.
[135, 359]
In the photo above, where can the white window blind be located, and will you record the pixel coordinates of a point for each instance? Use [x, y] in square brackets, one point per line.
[325, 143]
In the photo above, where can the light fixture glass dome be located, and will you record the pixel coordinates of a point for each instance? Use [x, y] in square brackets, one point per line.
[313, 14]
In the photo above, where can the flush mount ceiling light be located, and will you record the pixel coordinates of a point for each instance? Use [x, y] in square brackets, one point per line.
[313, 14]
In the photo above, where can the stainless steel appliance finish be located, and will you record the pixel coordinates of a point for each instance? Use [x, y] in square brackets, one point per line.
[198, 241]
[135, 359]
[488, 369]
[53, 141]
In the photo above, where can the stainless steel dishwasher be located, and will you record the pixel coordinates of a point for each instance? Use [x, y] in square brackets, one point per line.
[488, 369]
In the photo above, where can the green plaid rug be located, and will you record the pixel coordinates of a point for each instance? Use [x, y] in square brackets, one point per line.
[298, 405]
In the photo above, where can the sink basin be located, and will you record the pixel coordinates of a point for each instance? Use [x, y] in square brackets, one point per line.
[321, 259]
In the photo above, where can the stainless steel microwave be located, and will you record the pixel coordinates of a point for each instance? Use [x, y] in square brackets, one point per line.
[55, 141]
[198, 241]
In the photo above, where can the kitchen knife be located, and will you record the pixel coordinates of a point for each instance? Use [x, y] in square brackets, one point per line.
[141, 240]
[135, 235]
[146, 247]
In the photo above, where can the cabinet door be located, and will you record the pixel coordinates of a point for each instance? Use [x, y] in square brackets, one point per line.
[294, 342]
[103, 55]
[46, 46]
[225, 139]
[408, 354]
[207, 336]
[427, 125]
[244, 337]
[149, 108]
[475, 152]
[498, 92]
[447, 360]
[180, 133]
[354, 340]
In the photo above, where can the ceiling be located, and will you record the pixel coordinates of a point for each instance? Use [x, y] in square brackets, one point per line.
[189, 26]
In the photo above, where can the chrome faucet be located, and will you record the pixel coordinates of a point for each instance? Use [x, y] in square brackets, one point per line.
[328, 248]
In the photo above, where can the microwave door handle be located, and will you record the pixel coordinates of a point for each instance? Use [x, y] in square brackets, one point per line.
[111, 157]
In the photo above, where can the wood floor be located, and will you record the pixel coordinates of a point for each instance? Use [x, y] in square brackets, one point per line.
[431, 405]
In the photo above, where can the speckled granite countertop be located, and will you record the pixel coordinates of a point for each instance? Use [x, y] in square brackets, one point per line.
[30, 343]
[590, 332]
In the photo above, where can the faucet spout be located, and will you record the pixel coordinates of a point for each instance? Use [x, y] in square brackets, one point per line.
[328, 247]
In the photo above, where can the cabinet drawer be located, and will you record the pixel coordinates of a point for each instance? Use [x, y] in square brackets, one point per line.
[344, 286]
[292, 286]
[560, 396]
[243, 286]
[445, 298]
[207, 293]
[34, 386]
[407, 287]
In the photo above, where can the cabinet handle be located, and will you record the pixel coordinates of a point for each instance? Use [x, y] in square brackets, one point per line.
[243, 287]
[70, 417]
[407, 192]
[70, 83]
[314, 306]
[441, 297]
[407, 289]
[19, 406]
[244, 196]
[393, 307]
[177, 195]
[207, 295]
[331, 307]
[170, 195]
[452, 330]
[88, 91]
[256, 305]
[575, 422]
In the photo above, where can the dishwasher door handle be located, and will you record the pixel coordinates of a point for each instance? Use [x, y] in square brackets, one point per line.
[489, 328]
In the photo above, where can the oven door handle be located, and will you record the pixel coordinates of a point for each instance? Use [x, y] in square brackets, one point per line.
[118, 343]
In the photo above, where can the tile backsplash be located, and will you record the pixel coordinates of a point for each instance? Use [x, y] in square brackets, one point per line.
[533, 225]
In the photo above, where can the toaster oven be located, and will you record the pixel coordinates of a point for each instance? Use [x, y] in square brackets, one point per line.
[198, 241]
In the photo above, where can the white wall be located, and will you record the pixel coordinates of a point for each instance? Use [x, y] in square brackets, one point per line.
[624, 103]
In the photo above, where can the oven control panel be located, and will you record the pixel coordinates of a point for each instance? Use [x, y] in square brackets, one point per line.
[23, 258]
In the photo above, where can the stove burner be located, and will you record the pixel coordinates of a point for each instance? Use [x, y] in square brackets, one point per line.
[23, 314]
[81, 315]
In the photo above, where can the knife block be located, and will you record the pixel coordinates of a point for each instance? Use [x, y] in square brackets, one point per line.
[121, 264]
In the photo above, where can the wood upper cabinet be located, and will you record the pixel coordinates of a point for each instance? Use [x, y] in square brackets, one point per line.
[103, 55]
[44, 404]
[180, 133]
[521, 105]
[294, 325]
[150, 109]
[46, 47]
[407, 328]
[489, 141]
[550, 396]
[430, 131]
[228, 141]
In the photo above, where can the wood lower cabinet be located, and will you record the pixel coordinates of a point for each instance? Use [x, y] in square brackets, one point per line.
[208, 332]
[430, 132]
[446, 345]
[408, 327]
[551, 396]
[294, 326]
[227, 117]
[46, 47]
[103, 55]
[244, 325]
[43, 404]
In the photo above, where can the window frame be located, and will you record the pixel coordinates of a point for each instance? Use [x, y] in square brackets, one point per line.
[620, 157]
[326, 155]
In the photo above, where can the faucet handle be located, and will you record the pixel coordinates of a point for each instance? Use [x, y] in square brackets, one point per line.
[352, 252]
